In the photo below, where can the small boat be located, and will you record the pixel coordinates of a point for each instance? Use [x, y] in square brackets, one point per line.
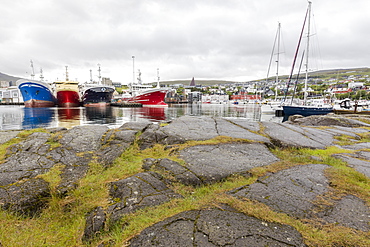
[315, 108]
[67, 92]
[346, 106]
[36, 93]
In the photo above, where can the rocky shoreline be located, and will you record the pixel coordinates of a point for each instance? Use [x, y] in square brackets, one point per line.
[204, 151]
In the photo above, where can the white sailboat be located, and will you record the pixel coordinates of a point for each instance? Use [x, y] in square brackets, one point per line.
[272, 106]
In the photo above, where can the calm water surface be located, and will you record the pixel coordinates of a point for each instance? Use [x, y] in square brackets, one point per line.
[20, 117]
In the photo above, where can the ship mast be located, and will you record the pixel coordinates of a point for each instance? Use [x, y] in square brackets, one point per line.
[158, 77]
[99, 70]
[41, 75]
[67, 79]
[33, 71]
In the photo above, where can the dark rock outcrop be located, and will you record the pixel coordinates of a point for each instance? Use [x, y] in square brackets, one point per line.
[290, 191]
[95, 223]
[293, 191]
[215, 227]
[132, 193]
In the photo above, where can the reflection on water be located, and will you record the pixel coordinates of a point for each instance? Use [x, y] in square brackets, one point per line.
[19, 117]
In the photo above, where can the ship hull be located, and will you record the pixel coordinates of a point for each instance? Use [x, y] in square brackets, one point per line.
[36, 94]
[97, 96]
[67, 98]
[151, 97]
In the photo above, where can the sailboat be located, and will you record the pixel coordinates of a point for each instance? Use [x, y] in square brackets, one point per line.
[317, 107]
[274, 105]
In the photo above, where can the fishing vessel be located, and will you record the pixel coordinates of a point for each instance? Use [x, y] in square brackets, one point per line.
[67, 92]
[36, 93]
[96, 94]
[145, 94]
[320, 107]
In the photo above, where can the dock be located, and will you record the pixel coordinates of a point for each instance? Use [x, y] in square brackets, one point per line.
[123, 104]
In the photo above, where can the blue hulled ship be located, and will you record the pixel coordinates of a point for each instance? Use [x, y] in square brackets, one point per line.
[36, 93]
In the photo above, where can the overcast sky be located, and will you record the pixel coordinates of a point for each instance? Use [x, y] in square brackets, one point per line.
[205, 39]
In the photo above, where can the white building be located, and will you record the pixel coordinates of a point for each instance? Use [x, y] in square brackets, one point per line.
[11, 95]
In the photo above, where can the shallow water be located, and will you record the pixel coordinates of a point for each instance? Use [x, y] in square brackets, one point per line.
[20, 117]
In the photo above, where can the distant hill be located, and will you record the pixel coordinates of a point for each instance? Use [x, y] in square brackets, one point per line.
[197, 82]
[322, 74]
[9, 78]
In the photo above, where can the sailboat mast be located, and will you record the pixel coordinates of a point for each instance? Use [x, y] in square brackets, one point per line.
[277, 38]
[307, 51]
[277, 60]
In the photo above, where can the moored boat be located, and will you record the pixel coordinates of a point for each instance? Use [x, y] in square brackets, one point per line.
[96, 95]
[145, 94]
[148, 97]
[67, 92]
[306, 110]
[36, 93]
[318, 107]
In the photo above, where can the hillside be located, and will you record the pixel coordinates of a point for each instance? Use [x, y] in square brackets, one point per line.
[197, 82]
[321, 74]
[11, 79]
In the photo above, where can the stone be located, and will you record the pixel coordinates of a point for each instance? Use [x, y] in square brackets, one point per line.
[359, 165]
[349, 211]
[28, 198]
[8, 135]
[213, 163]
[214, 228]
[135, 192]
[84, 138]
[291, 191]
[95, 223]
[287, 135]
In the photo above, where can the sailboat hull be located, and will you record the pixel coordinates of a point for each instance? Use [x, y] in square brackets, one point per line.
[306, 110]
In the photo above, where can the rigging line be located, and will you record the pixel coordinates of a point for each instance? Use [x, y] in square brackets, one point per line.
[316, 53]
[296, 81]
[296, 54]
[271, 57]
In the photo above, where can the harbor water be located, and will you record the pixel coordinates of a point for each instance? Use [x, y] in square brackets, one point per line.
[15, 117]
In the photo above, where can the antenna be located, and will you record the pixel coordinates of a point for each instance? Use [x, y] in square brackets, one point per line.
[139, 77]
[33, 71]
[41, 75]
[133, 69]
[91, 76]
[67, 79]
[158, 77]
[99, 70]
